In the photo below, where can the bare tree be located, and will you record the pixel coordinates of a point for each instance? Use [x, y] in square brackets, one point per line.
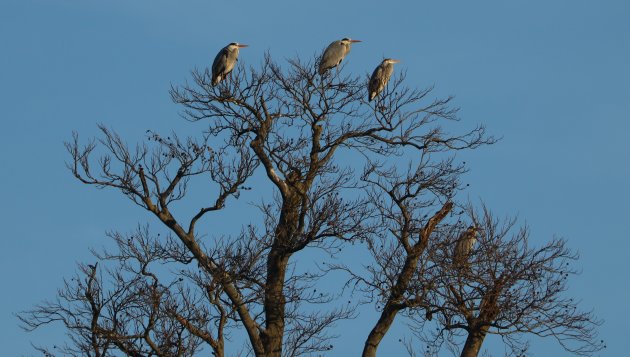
[507, 288]
[413, 208]
[295, 122]
[126, 306]
[308, 135]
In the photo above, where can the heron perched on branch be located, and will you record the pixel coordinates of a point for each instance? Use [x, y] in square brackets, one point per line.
[334, 54]
[380, 77]
[464, 244]
[225, 61]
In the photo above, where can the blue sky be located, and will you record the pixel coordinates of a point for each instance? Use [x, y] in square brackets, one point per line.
[550, 77]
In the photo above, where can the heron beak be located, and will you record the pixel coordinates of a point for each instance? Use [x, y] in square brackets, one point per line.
[395, 61]
[355, 41]
[241, 46]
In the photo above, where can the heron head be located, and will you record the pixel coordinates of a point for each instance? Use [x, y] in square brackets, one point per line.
[347, 41]
[235, 45]
[390, 60]
[474, 228]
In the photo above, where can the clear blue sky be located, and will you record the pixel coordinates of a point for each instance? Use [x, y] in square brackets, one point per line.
[551, 77]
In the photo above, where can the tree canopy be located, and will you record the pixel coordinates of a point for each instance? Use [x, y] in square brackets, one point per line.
[348, 176]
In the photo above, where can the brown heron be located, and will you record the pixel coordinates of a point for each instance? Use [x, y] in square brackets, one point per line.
[464, 244]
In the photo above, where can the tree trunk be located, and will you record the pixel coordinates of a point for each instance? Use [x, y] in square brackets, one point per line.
[274, 303]
[379, 330]
[277, 261]
[473, 343]
[392, 306]
[219, 351]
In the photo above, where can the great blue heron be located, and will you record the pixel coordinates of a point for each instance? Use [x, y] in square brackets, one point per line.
[380, 77]
[464, 244]
[334, 54]
[225, 61]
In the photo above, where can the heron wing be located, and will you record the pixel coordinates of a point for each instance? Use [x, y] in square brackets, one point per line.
[459, 249]
[219, 64]
[332, 56]
[376, 82]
